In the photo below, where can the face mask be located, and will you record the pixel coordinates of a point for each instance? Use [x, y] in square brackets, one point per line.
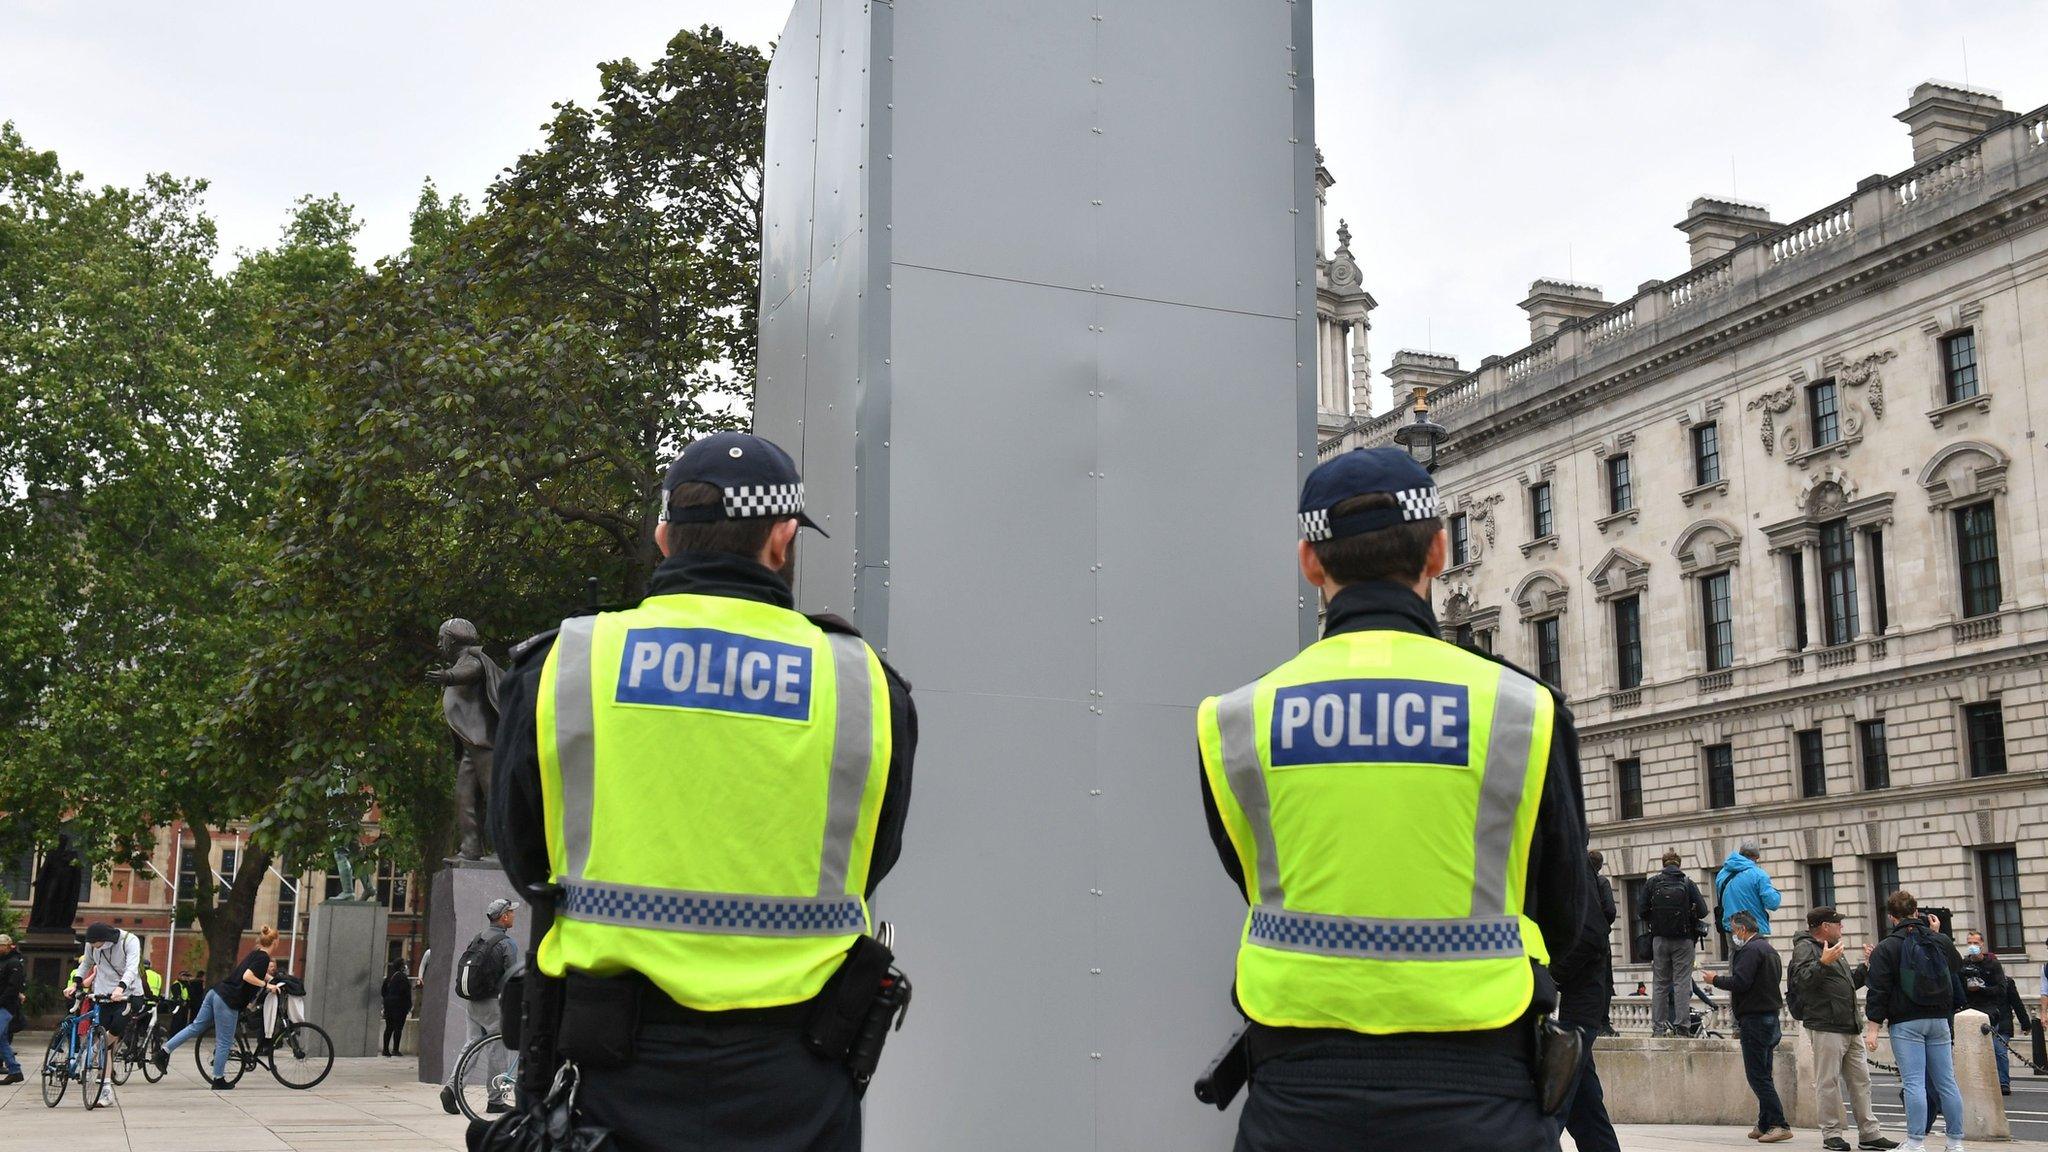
[1972, 950]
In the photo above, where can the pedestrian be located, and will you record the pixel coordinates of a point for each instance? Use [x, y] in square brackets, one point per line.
[1754, 999]
[13, 979]
[397, 1006]
[1671, 909]
[1989, 990]
[1642, 989]
[111, 968]
[1603, 891]
[1744, 886]
[1584, 989]
[781, 783]
[223, 1005]
[1820, 990]
[1398, 1014]
[1915, 985]
[491, 959]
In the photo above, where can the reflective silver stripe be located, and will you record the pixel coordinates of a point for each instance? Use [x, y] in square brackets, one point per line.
[853, 743]
[575, 740]
[1479, 938]
[722, 913]
[1500, 794]
[1235, 720]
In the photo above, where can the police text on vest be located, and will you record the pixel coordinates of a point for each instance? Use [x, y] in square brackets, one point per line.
[723, 671]
[1371, 722]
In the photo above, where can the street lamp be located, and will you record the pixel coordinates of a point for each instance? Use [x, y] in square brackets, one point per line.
[1422, 436]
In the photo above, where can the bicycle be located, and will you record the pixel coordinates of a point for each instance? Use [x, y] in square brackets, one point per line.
[78, 1051]
[299, 1054]
[142, 1034]
[473, 1087]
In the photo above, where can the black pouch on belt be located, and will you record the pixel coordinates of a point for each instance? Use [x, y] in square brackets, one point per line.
[840, 1010]
[599, 1017]
[1559, 1055]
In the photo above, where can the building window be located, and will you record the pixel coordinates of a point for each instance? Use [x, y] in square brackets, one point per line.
[1549, 651]
[1820, 406]
[287, 904]
[2000, 869]
[188, 872]
[1884, 880]
[1959, 365]
[1877, 763]
[1461, 541]
[1796, 565]
[1628, 641]
[1466, 638]
[1838, 582]
[391, 887]
[1820, 881]
[1621, 495]
[1706, 454]
[1984, 729]
[1880, 601]
[1628, 780]
[394, 953]
[1718, 621]
[1977, 558]
[332, 889]
[1813, 768]
[1539, 511]
[1638, 936]
[1483, 640]
[1720, 776]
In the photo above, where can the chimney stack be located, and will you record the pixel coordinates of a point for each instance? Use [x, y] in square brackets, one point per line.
[1411, 370]
[1717, 224]
[1552, 302]
[1942, 116]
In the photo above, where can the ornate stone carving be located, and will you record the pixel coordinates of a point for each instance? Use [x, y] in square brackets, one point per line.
[1773, 404]
[1863, 374]
[1481, 512]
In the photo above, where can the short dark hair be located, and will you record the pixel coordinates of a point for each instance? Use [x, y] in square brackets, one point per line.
[1743, 920]
[1901, 904]
[1397, 553]
[1672, 858]
[739, 537]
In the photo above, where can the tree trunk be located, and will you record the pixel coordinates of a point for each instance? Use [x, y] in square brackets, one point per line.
[222, 923]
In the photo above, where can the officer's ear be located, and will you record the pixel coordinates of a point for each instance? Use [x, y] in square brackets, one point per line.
[1439, 555]
[661, 539]
[781, 541]
[1312, 565]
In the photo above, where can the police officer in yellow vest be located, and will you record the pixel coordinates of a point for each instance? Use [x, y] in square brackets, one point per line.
[1404, 818]
[714, 783]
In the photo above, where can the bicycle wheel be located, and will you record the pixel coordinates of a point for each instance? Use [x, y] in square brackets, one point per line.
[482, 1077]
[202, 1056]
[152, 1040]
[93, 1081]
[120, 1053]
[56, 1068]
[302, 1056]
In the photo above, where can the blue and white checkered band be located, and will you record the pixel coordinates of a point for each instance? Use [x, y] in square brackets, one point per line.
[1478, 938]
[751, 501]
[1416, 503]
[1315, 526]
[713, 912]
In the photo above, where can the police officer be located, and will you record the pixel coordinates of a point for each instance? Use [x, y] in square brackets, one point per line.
[1404, 818]
[715, 783]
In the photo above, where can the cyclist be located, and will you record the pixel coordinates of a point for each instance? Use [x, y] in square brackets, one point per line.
[111, 968]
[222, 1009]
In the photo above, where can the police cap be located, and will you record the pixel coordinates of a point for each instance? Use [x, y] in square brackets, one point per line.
[1365, 472]
[758, 480]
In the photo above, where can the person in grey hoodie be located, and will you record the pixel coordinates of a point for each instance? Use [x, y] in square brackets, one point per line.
[1822, 986]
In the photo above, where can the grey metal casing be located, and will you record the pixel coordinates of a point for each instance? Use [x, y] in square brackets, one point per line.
[1037, 322]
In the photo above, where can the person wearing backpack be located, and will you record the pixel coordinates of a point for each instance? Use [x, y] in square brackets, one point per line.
[491, 958]
[1820, 993]
[1671, 906]
[1744, 886]
[1915, 985]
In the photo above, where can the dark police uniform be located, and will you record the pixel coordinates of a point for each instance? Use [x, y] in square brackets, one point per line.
[1388, 1003]
[705, 766]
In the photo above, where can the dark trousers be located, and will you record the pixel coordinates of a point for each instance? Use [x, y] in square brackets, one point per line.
[1760, 1036]
[1324, 1097]
[1585, 1110]
[723, 1087]
[394, 1033]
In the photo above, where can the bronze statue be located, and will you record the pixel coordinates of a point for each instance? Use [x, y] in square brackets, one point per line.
[469, 702]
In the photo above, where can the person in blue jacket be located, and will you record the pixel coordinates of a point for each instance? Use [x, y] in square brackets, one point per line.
[1744, 886]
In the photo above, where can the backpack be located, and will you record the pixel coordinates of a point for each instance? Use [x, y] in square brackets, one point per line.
[1924, 974]
[1670, 907]
[1795, 1004]
[480, 974]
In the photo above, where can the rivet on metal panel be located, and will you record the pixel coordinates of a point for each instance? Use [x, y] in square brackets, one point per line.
[1293, 88]
[1097, 131]
[1095, 891]
[1095, 971]
[1096, 203]
[1294, 139]
[885, 443]
[1095, 1055]
[885, 583]
[1095, 79]
[886, 360]
[1095, 791]
[1294, 211]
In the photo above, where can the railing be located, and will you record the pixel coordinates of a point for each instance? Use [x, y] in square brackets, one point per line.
[1981, 628]
[1626, 698]
[1813, 233]
[1939, 175]
[1709, 279]
[1616, 321]
[1836, 657]
[1795, 665]
[1534, 358]
[1717, 681]
[1878, 649]
[1631, 1016]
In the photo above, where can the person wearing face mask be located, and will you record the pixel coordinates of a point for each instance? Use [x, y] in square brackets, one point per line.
[1755, 997]
[1990, 991]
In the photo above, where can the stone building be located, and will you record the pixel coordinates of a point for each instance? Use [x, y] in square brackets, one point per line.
[1343, 309]
[1774, 525]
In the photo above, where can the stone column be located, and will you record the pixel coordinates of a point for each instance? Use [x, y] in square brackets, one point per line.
[1866, 587]
[1816, 616]
[1977, 1075]
[1361, 370]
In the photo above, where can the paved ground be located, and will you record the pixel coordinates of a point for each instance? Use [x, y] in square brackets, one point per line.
[1674, 1138]
[367, 1104]
[2026, 1109]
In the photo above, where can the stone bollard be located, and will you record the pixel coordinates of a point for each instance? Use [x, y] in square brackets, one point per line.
[1977, 1076]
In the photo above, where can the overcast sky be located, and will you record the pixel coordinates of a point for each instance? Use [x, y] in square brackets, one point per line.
[1477, 146]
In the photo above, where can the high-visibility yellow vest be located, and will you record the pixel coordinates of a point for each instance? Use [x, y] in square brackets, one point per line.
[1381, 791]
[712, 772]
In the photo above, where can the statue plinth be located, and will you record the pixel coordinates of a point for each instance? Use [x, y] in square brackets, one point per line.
[460, 892]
